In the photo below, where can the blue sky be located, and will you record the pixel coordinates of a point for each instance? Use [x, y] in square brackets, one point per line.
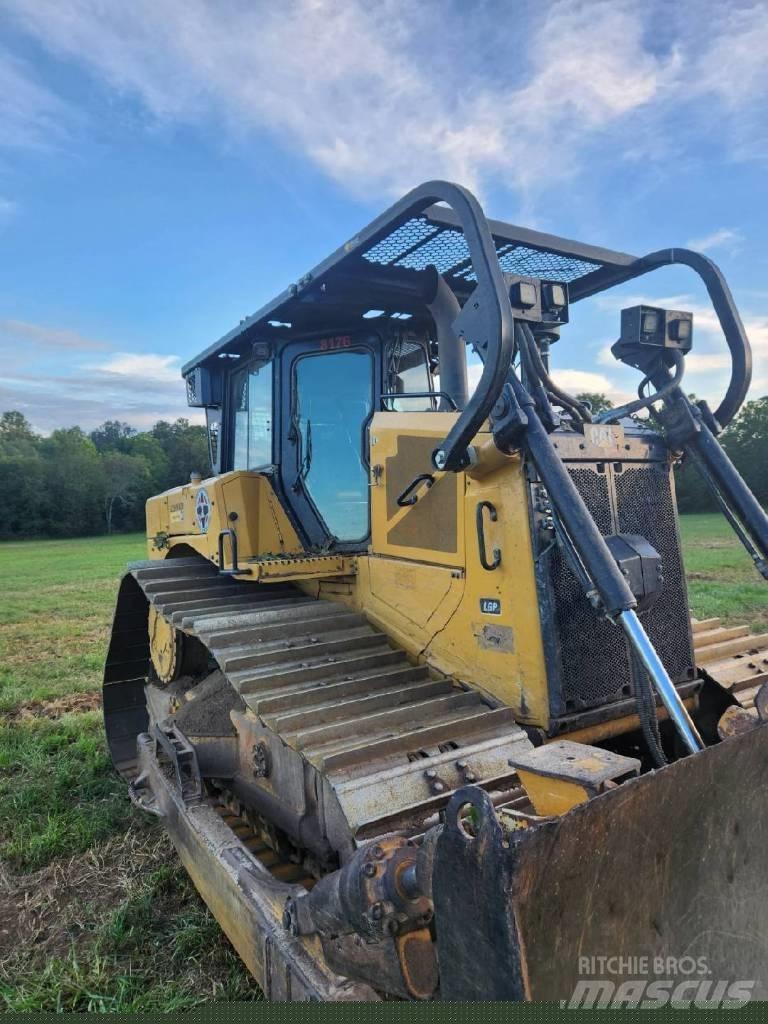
[168, 165]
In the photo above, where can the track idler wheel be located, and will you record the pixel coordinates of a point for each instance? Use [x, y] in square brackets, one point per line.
[173, 653]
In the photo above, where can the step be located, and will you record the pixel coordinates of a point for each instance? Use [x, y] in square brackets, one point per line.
[457, 729]
[331, 668]
[715, 636]
[384, 723]
[334, 710]
[736, 671]
[311, 692]
[363, 638]
[703, 625]
[194, 610]
[267, 633]
[719, 652]
[282, 611]
[171, 566]
[748, 682]
[157, 588]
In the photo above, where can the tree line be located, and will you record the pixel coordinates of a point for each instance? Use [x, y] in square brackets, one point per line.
[74, 484]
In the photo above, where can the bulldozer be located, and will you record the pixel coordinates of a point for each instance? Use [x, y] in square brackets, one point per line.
[411, 678]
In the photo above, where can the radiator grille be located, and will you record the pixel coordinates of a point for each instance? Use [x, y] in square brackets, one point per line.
[594, 658]
[646, 506]
[594, 668]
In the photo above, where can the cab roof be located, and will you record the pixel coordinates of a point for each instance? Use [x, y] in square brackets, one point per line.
[378, 276]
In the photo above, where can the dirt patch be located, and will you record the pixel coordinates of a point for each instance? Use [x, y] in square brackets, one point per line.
[57, 706]
[53, 909]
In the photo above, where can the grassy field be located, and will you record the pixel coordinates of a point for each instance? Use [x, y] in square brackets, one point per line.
[722, 581]
[95, 910]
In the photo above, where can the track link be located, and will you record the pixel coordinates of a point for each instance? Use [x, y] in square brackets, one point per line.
[732, 656]
[392, 738]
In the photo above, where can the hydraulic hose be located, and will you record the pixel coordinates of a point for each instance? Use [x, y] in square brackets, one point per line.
[613, 415]
[537, 367]
[646, 712]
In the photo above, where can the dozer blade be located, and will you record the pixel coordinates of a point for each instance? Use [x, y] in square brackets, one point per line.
[665, 869]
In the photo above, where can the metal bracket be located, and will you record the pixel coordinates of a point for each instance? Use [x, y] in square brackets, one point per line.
[183, 759]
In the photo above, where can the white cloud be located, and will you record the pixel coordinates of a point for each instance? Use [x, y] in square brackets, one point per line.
[8, 209]
[578, 382]
[707, 362]
[722, 238]
[139, 388]
[381, 96]
[13, 331]
[581, 380]
[142, 366]
[30, 114]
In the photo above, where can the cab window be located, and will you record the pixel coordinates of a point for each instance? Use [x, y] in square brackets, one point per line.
[333, 399]
[252, 417]
[408, 373]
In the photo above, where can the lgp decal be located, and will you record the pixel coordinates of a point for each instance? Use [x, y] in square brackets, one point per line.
[490, 606]
[203, 510]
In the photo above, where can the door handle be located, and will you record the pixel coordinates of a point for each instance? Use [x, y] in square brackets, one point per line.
[481, 507]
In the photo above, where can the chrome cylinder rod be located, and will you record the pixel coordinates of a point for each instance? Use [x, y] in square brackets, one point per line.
[660, 679]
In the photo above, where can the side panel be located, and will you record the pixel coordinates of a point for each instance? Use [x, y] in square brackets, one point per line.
[427, 586]
[194, 515]
[432, 530]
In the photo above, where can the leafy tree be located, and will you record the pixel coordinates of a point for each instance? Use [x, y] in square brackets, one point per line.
[149, 448]
[14, 426]
[16, 435]
[746, 441]
[113, 436]
[23, 483]
[598, 402]
[74, 483]
[186, 447]
[125, 479]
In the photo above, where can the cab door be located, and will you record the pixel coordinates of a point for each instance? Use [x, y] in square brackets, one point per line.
[328, 391]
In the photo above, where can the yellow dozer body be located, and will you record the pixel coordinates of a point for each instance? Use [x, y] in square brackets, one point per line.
[411, 679]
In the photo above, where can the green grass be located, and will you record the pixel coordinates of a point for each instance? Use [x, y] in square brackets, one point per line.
[106, 918]
[158, 949]
[58, 795]
[722, 581]
[57, 601]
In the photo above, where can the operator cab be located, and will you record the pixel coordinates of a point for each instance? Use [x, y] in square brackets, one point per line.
[299, 410]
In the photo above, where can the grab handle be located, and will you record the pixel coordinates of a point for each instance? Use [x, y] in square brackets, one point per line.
[492, 515]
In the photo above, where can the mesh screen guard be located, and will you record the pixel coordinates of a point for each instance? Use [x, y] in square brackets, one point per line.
[594, 667]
